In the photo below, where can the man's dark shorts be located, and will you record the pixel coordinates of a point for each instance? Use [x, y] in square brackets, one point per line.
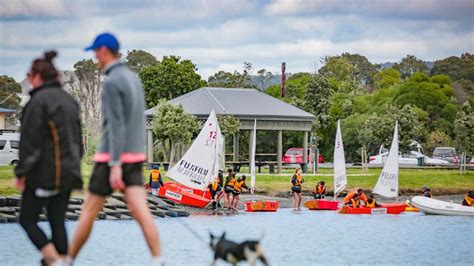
[100, 185]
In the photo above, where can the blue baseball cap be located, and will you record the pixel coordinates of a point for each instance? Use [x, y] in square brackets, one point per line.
[105, 39]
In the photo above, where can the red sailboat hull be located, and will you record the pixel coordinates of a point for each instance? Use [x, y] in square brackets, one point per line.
[321, 204]
[389, 208]
[185, 195]
[261, 206]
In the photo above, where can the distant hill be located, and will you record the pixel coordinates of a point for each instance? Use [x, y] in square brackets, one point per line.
[276, 79]
[385, 65]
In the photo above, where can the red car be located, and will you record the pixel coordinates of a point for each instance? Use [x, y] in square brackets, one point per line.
[295, 156]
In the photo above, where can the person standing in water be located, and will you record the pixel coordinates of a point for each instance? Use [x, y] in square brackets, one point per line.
[50, 158]
[297, 180]
[239, 185]
[119, 160]
[229, 188]
[155, 180]
[215, 190]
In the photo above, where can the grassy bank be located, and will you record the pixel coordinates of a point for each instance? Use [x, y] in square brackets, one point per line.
[411, 180]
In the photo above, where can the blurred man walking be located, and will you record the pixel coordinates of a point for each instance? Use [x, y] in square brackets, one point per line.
[118, 162]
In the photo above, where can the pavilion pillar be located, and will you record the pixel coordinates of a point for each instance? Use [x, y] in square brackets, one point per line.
[251, 140]
[236, 147]
[149, 145]
[305, 152]
[279, 151]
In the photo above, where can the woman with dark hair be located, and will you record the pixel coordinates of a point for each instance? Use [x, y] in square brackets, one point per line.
[297, 180]
[50, 156]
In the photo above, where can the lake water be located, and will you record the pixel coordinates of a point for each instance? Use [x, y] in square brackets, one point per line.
[307, 238]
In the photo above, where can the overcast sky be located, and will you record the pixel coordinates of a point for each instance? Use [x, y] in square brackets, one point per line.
[222, 34]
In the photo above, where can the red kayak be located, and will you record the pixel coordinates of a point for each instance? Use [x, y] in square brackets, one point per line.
[185, 195]
[261, 206]
[388, 208]
[321, 204]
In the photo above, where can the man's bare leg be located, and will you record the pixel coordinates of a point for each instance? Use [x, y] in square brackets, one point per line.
[92, 206]
[137, 204]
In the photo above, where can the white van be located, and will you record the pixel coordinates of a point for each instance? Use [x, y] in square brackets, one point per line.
[9, 148]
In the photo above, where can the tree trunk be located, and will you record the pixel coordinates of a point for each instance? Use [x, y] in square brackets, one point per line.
[165, 152]
[171, 154]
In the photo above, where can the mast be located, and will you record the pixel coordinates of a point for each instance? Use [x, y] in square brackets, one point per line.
[252, 161]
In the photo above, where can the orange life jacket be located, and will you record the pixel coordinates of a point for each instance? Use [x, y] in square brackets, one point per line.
[215, 185]
[355, 203]
[363, 197]
[321, 189]
[238, 185]
[469, 201]
[231, 182]
[298, 180]
[371, 203]
[348, 197]
[155, 175]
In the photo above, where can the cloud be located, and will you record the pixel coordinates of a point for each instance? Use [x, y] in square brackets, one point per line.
[219, 35]
[31, 8]
[388, 9]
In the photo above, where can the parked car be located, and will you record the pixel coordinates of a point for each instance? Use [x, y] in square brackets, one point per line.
[295, 156]
[410, 158]
[446, 153]
[9, 148]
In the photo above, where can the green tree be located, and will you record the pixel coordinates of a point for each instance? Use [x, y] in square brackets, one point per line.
[419, 77]
[442, 80]
[9, 89]
[229, 124]
[456, 68]
[225, 79]
[138, 59]
[429, 97]
[435, 139]
[378, 129]
[317, 99]
[463, 129]
[365, 70]
[386, 78]
[172, 124]
[340, 74]
[409, 65]
[86, 87]
[171, 78]
[264, 77]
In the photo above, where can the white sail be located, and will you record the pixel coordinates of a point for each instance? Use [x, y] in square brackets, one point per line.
[252, 158]
[198, 165]
[340, 175]
[387, 184]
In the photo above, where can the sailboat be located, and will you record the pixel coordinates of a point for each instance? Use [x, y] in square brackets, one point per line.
[197, 168]
[252, 205]
[386, 186]
[340, 176]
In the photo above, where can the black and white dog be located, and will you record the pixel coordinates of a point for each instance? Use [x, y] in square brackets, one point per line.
[232, 252]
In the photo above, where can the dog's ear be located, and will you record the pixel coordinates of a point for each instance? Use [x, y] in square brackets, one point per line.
[223, 235]
[211, 235]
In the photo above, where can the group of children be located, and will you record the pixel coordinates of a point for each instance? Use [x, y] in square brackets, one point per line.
[355, 197]
[230, 190]
[352, 198]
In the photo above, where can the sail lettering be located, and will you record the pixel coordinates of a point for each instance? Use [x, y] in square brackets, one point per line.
[195, 173]
[388, 179]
